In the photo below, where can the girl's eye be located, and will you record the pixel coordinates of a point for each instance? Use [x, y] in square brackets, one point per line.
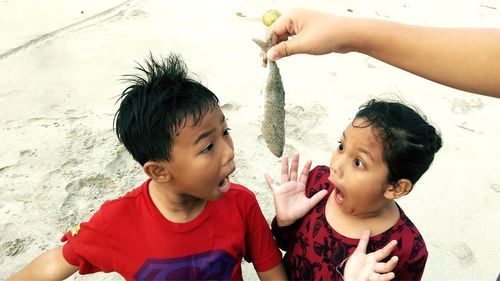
[226, 132]
[208, 148]
[341, 146]
[358, 163]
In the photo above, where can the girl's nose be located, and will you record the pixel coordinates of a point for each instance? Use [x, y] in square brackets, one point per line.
[336, 164]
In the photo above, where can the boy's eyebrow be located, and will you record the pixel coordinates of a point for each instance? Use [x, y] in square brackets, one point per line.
[361, 150]
[202, 136]
[206, 134]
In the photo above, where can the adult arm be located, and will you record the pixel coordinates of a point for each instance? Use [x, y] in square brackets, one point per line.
[50, 265]
[462, 58]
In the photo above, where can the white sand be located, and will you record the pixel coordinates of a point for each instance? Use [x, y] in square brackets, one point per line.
[60, 65]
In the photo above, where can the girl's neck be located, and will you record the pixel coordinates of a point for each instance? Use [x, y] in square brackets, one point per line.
[352, 226]
[178, 208]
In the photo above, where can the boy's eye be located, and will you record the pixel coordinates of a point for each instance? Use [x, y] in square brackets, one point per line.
[358, 163]
[341, 146]
[208, 148]
[226, 132]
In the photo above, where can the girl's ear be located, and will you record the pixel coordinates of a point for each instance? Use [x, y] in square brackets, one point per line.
[158, 171]
[400, 188]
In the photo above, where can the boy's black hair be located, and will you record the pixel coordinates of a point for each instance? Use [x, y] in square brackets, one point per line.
[409, 141]
[153, 108]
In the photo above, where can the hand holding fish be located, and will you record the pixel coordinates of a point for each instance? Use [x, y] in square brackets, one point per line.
[290, 200]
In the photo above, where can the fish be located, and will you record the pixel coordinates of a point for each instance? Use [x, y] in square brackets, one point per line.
[272, 125]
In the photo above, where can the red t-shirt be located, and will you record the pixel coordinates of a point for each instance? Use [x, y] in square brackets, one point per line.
[315, 250]
[130, 236]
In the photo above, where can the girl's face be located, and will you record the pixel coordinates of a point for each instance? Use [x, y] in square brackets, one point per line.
[358, 171]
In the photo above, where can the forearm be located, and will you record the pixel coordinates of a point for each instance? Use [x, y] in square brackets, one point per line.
[50, 265]
[276, 273]
[463, 58]
[283, 235]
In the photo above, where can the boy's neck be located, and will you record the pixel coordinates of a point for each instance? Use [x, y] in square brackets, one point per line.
[353, 225]
[178, 208]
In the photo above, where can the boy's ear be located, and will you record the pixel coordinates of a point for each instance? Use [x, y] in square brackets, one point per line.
[158, 171]
[400, 188]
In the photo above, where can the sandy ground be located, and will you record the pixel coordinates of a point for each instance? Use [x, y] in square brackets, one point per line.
[61, 64]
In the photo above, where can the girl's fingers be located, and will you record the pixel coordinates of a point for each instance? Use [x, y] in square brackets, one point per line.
[386, 251]
[363, 242]
[386, 267]
[382, 277]
[294, 167]
[269, 181]
[317, 197]
[305, 172]
[284, 169]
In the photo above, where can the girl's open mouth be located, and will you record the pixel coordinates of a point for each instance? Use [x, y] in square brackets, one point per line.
[338, 195]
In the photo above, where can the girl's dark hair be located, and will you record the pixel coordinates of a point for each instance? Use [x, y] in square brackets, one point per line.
[154, 107]
[409, 141]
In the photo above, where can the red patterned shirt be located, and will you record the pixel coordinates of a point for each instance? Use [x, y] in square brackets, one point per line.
[315, 251]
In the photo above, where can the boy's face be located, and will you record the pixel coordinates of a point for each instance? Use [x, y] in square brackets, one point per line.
[358, 171]
[202, 158]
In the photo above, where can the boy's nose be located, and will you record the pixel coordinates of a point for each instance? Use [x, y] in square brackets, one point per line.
[228, 151]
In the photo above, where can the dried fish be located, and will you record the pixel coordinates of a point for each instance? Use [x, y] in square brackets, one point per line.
[272, 124]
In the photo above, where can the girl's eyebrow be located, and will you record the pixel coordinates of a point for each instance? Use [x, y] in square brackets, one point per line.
[360, 150]
[366, 152]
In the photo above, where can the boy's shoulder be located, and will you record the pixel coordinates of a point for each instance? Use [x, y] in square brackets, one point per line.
[238, 192]
[239, 197]
[129, 201]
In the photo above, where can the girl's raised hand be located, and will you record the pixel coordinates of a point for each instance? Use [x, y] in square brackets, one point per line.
[290, 200]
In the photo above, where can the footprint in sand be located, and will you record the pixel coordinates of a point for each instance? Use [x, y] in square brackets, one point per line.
[25, 157]
[137, 14]
[301, 124]
[84, 198]
[17, 246]
[465, 106]
[124, 168]
[462, 251]
[299, 120]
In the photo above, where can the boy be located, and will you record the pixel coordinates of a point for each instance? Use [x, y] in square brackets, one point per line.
[187, 221]
[380, 157]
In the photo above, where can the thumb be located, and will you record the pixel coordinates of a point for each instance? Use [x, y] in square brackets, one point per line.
[269, 181]
[282, 49]
[317, 197]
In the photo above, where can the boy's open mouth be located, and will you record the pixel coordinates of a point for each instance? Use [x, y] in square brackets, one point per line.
[224, 185]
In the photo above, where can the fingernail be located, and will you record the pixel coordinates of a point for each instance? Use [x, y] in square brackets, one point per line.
[272, 54]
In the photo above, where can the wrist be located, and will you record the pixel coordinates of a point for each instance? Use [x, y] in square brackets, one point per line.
[284, 223]
[355, 35]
